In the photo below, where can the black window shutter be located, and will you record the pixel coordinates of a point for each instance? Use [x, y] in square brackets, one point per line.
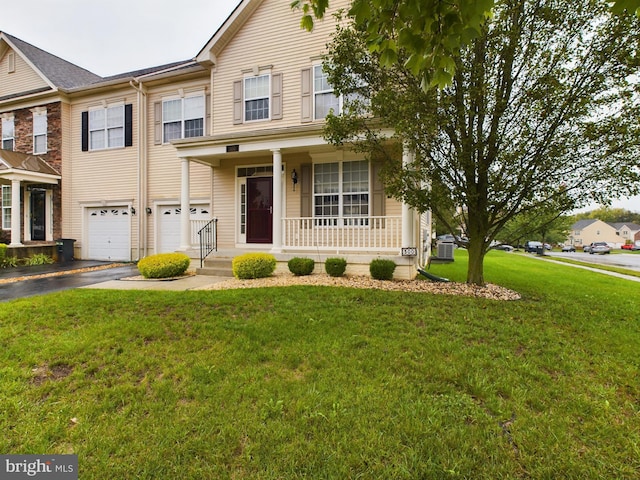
[128, 125]
[85, 131]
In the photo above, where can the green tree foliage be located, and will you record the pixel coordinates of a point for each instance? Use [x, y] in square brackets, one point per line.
[610, 215]
[541, 110]
[430, 32]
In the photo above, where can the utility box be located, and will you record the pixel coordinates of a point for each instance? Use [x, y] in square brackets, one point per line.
[65, 249]
[445, 251]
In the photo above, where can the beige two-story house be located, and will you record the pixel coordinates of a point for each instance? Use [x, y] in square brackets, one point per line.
[230, 143]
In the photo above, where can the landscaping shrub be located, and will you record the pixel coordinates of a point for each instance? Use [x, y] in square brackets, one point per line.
[253, 265]
[3, 252]
[301, 266]
[164, 265]
[39, 259]
[382, 269]
[335, 267]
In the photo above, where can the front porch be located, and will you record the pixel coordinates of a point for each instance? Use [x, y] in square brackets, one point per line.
[357, 240]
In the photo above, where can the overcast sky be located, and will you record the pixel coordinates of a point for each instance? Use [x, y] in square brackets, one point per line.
[109, 37]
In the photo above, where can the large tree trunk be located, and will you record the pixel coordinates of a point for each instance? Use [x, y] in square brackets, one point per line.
[475, 269]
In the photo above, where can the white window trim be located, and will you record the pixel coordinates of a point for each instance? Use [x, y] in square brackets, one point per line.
[182, 98]
[322, 92]
[5, 207]
[40, 114]
[9, 119]
[343, 220]
[246, 98]
[106, 127]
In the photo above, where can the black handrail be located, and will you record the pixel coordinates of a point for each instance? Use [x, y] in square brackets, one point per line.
[208, 239]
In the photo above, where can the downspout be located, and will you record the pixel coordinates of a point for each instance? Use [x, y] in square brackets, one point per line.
[142, 167]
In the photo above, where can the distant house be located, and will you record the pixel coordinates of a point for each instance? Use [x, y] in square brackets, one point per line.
[628, 232]
[584, 232]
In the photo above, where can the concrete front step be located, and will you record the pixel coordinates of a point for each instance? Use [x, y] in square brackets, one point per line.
[216, 267]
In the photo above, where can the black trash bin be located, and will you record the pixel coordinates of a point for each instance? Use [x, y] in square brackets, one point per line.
[65, 249]
[540, 250]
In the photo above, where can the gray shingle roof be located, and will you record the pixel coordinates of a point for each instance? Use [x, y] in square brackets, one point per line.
[580, 224]
[61, 73]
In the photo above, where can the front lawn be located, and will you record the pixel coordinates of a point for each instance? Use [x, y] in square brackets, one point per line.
[325, 382]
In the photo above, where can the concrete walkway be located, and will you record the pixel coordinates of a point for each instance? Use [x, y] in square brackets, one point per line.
[136, 283]
[593, 269]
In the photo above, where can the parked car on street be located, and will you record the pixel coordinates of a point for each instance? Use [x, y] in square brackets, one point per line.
[631, 246]
[502, 246]
[599, 247]
[568, 248]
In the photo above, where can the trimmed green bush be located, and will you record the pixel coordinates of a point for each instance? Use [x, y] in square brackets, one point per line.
[335, 267]
[3, 251]
[382, 269]
[164, 265]
[301, 266]
[253, 265]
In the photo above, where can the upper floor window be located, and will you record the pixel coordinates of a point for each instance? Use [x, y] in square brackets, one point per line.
[107, 127]
[256, 98]
[8, 131]
[6, 207]
[183, 118]
[40, 132]
[324, 99]
[341, 193]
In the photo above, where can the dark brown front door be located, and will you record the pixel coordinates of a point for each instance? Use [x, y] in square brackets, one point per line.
[38, 215]
[260, 210]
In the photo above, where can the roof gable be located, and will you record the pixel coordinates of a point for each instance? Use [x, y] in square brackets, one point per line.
[58, 73]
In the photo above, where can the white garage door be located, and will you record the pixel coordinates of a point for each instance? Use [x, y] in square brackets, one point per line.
[108, 232]
[169, 226]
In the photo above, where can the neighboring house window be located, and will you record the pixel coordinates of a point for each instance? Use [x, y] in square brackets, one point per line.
[8, 128]
[183, 118]
[109, 127]
[256, 98]
[6, 207]
[341, 193]
[40, 132]
[324, 100]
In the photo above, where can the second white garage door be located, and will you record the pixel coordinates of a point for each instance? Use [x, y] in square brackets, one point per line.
[109, 235]
[169, 226]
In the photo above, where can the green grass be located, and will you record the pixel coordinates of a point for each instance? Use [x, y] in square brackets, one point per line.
[320, 382]
[606, 268]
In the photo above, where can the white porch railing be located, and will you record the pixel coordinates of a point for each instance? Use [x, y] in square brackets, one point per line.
[343, 233]
[196, 226]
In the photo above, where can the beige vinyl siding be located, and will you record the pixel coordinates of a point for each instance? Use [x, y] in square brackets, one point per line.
[271, 37]
[100, 177]
[67, 169]
[164, 170]
[23, 78]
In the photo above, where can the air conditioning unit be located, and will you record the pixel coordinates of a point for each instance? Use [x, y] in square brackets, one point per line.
[445, 251]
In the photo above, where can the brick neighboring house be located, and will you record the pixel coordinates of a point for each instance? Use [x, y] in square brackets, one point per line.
[33, 128]
[584, 232]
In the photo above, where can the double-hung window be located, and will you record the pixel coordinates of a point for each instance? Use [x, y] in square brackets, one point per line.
[256, 98]
[40, 132]
[6, 207]
[341, 193]
[8, 132]
[323, 97]
[183, 118]
[106, 128]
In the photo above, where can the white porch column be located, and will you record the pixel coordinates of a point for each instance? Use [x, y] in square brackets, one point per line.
[15, 213]
[185, 208]
[277, 201]
[407, 217]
